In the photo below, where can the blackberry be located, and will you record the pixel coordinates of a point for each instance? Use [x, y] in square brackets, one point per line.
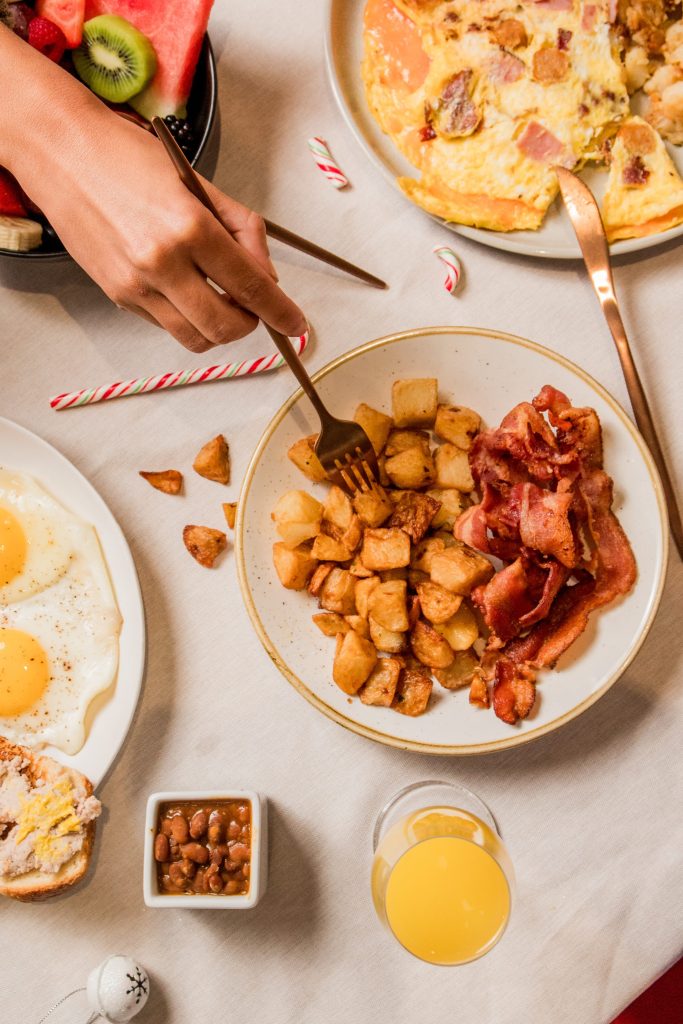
[180, 130]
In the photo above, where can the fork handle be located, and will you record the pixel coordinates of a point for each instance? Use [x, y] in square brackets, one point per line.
[641, 410]
[289, 355]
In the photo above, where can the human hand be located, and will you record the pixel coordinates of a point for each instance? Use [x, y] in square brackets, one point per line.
[116, 202]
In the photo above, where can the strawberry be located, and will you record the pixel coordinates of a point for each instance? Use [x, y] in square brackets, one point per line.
[11, 196]
[68, 14]
[48, 38]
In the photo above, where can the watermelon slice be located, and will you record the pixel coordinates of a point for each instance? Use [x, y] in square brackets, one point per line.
[68, 14]
[175, 29]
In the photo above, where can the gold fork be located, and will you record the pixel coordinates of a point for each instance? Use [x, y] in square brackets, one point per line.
[587, 223]
[343, 447]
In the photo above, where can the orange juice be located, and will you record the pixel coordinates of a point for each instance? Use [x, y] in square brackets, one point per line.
[439, 885]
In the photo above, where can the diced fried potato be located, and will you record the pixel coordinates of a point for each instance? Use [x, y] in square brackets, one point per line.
[423, 553]
[359, 624]
[385, 549]
[381, 466]
[358, 569]
[319, 577]
[353, 534]
[387, 639]
[413, 611]
[302, 454]
[479, 691]
[387, 605]
[438, 604]
[327, 549]
[414, 513]
[204, 544]
[396, 495]
[375, 424]
[413, 692]
[451, 507]
[213, 460]
[364, 589]
[230, 513]
[337, 508]
[337, 592]
[453, 468]
[430, 647]
[294, 566]
[460, 672]
[380, 687]
[414, 402]
[373, 507]
[393, 574]
[411, 469]
[416, 576]
[330, 623]
[457, 424]
[402, 440]
[461, 630]
[354, 660]
[459, 569]
[297, 516]
[168, 481]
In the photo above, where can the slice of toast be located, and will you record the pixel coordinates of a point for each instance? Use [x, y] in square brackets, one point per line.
[39, 885]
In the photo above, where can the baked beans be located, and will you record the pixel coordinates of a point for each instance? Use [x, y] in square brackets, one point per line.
[202, 848]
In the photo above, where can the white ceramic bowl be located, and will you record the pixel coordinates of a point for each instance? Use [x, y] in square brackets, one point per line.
[259, 853]
[491, 372]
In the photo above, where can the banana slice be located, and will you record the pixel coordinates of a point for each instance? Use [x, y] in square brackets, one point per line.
[20, 234]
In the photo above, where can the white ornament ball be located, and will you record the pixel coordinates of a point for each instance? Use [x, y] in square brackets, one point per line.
[118, 988]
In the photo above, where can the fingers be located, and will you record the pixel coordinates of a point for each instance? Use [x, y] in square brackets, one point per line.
[161, 312]
[213, 315]
[238, 273]
[246, 226]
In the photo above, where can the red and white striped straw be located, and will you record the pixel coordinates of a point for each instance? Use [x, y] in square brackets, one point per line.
[326, 163]
[177, 379]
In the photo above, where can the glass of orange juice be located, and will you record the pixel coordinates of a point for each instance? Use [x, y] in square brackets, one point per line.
[441, 878]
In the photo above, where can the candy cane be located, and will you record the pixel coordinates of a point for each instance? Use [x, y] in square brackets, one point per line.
[453, 268]
[177, 379]
[325, 161]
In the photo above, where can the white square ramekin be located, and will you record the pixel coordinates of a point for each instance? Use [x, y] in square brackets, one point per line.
[259, 853]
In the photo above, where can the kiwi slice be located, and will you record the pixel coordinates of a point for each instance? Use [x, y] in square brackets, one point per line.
[114, 59]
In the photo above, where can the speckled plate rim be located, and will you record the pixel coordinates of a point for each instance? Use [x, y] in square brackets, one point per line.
[541, 245]
[449, 750]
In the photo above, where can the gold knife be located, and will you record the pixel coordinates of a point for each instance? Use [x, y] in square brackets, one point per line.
[590, 232]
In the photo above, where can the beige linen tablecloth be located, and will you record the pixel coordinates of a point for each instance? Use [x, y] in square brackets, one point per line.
[591, 814]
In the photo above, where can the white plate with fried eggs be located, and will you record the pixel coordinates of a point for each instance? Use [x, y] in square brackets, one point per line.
[72, 626]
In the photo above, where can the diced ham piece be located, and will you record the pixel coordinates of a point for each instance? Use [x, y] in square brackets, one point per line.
[588, 17]
[613, 11]
[504, 68]
[539, 144]
[555, 5]
[635, 172]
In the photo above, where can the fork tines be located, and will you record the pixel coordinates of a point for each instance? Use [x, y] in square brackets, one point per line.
[357, 474]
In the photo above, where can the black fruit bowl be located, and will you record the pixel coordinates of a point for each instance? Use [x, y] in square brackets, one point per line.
[201, 113]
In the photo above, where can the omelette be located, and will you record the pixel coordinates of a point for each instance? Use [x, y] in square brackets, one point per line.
[486, 97]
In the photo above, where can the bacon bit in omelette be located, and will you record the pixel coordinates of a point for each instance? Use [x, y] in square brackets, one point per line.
[550, 65]
[509, 34]
[582, 109]
[588, 17]
[564, 37]
[635, 172]
[204, 544]
[427, 133]
[168, 481]
[638, 139]
[455, 113]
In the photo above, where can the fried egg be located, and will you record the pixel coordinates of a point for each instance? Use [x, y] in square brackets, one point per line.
[59, 623]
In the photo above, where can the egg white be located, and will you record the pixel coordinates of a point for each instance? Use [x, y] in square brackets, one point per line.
[64, 599]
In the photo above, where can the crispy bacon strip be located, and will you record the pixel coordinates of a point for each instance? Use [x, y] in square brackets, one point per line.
[514, 691]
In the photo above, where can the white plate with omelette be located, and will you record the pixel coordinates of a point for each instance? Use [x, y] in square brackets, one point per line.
[490, 372]
[72, 626]
[426, 167]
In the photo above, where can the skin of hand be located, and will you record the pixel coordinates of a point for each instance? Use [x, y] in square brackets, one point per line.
[112, 195]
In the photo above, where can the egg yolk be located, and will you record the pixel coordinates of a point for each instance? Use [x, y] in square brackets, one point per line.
[12, 546]
[24, 671]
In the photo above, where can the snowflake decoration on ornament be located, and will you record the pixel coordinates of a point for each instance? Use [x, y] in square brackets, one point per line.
[139, 983]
